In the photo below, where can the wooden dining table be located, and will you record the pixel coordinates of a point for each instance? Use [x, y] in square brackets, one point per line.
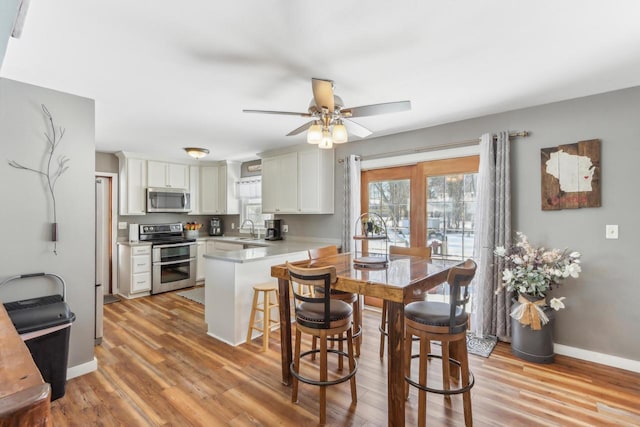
[397, 283]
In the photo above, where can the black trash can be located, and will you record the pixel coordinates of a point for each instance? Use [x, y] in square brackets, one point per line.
[44, 325]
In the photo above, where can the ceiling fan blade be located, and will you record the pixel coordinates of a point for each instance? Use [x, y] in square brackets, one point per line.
[287, 113]
[375, 109]
[301, 128]
[356, 129]
[323, 93]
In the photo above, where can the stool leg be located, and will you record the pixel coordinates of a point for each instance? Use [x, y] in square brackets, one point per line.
[296, 368]
[408, 341]
[340, 357]
[323, 377]
[422, 379]
[357, 324]
[253, 316]
[266, 320]
[383, 326]
[314, 346]
[446, 368]
[352, 365]
[464, 370]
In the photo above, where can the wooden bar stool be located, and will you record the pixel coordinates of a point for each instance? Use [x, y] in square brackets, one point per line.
[265, 307]
[447, 323]
[321, 317]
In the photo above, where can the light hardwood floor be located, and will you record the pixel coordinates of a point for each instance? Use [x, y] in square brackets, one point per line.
[157, 367]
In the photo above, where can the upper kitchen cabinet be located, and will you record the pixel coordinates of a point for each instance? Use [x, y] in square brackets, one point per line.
[170, 175]
[132, 185]
[217, 189]
[298, 182]
[280, 184]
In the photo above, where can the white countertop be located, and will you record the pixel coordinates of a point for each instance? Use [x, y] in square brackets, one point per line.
[266, 250]
[129, 243]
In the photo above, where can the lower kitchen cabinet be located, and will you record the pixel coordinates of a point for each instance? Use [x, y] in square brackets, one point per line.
[134, 270]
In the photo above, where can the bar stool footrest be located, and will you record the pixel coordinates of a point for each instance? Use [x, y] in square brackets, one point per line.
[441, 391]
[324, 383]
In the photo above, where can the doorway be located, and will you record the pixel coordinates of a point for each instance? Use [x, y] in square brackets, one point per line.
[106, 236]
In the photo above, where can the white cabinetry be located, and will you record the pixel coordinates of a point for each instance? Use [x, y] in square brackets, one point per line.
[217, 189]
[133, 185]
[134, 270]
[201, 250]
[298, 183]
[171, 175]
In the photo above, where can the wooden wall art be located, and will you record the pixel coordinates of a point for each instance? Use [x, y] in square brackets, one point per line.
[571, 176]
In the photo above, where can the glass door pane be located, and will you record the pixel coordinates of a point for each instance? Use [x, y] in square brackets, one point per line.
[451, 201]
[391, 200]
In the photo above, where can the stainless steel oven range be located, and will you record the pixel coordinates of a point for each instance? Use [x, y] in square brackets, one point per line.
[173, 257]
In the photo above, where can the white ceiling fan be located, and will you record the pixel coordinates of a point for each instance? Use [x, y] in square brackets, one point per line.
[331, 120]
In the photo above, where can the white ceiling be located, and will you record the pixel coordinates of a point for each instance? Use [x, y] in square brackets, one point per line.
[168, 74]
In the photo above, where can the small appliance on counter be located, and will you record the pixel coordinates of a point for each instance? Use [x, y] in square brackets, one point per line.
[274, 229]
[133, 233]
[215, 227]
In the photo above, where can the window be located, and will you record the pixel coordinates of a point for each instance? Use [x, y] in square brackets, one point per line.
[451, 201]
[249, 193]
[251, 209]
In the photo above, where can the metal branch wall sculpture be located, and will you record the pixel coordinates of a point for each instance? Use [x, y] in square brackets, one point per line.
[51, 173]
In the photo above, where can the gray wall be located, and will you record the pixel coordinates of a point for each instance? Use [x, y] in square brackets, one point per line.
[8, 10]
[106, 162]
[26, 211]
[601, 310]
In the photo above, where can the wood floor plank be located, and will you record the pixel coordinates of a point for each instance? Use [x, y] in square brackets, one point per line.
[158, 367]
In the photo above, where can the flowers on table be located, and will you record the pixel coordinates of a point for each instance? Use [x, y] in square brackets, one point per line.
[532, 272]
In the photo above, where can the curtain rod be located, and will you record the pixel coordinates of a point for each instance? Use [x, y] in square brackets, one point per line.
[468, 142]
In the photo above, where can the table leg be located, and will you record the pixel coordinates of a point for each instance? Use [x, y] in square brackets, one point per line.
[395, 368]
[285, 330]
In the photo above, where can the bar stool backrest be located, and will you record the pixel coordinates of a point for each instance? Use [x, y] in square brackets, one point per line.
[459, 280]
[424, 252]
[324, 252]
[317, 277]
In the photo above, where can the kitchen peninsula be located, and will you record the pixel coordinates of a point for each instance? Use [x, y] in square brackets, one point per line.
[231, 274]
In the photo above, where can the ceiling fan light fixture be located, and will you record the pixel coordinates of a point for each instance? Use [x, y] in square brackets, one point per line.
[327, 142]
[340, 135]
[196, 153]
[314, 135]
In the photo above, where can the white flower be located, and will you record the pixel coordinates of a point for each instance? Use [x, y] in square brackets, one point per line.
[507, 276]
[574, 270]
[574, 254]
[517, 260]
[556, 303]
[500, 251]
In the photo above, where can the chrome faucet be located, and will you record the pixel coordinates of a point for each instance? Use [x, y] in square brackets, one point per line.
[253, 231]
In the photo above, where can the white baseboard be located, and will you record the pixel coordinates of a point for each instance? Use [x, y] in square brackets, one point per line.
[85, 368]
[603, 359]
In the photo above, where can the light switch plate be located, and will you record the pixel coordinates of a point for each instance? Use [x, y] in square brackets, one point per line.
[122, 226]
[285, 228]
[611, 231]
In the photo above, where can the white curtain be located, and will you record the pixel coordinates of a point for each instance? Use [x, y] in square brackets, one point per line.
[492, 228]
[351, 203]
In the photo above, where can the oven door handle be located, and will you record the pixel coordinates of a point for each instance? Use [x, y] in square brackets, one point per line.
[173, 245]
[182, 261]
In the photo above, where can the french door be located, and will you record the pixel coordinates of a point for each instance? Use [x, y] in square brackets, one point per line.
[428, 204]
[431, 203]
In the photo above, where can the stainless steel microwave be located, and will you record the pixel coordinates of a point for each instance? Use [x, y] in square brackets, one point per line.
[168, 200]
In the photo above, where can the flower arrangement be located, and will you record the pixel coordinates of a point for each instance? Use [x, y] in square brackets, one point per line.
[532, 272]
